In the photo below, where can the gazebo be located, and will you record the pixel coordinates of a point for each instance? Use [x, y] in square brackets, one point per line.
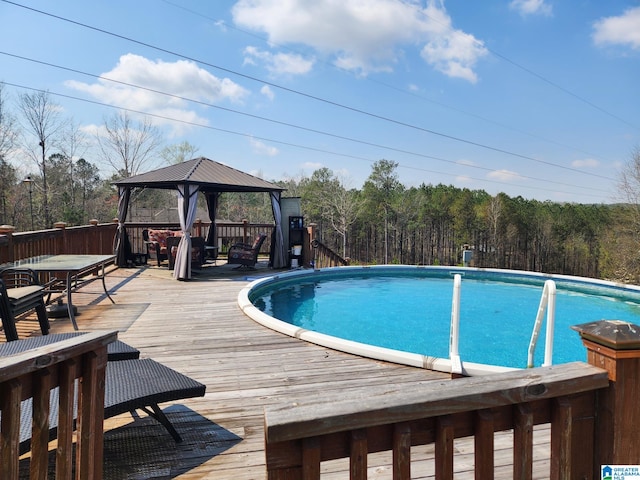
[188, 178]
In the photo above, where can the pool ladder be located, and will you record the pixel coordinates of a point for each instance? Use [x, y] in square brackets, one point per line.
[547, 304]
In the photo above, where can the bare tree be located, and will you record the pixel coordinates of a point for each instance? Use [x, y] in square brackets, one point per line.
[42, 116]
[8, 141]
[73, 144]
[178, 153]
[8, 127]
[128, 145]
[340, 206]
[624, 258]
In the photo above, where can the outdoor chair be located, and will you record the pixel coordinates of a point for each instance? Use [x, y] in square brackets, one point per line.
[197, 251]
[156, 243]
[244, 254]
[130, 384]
[21, 292]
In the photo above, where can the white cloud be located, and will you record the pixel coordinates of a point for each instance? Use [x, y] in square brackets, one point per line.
[504, 175]
[313, 166]
[464, 179]
[365, 36]
[621, 30]
[262, 148]
[585, 162]
[278, 63]
[181, 78]
[466, 163]
[531, 7]
[267, 92]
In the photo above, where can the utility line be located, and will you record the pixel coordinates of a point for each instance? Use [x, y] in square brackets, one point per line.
[527, 70]
[289, 144]
[290, 125]
[389, 86]
[307, 95]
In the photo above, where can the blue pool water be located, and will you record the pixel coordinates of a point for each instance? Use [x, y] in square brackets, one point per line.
[410, 310]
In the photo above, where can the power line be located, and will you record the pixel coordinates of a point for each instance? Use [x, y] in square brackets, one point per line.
[290, 125]
[387, 85]
[294, 145]
[528, 70]
[310, 96]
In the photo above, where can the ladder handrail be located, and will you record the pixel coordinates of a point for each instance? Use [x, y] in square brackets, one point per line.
[548, 303]
[454, 335]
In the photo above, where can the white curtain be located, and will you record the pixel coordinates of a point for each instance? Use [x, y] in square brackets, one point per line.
[278, 260]
[187, 204]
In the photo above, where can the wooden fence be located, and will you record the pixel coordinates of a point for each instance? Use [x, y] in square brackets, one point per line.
[89, 239]
[592, 413]
[228, 233]
[33, 374]
[98, 238]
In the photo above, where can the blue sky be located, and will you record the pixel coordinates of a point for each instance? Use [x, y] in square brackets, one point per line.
[537, 98]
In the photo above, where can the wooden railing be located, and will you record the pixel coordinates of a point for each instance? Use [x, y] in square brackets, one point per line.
[324, 257]
[33, 374]
[97, 238]
[228, 233]
[318, 254]
[89, 239]
[590, 412]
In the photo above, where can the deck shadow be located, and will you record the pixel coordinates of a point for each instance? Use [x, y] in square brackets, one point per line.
[143, 449]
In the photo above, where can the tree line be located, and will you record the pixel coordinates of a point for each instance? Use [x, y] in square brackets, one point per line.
[385, 222]
[382, 222]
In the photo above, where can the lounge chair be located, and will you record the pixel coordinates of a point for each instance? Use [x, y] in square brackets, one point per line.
[21, 292]
[244, 254]
[138, 384]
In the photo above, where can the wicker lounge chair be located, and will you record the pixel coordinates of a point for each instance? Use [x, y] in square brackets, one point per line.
[244, 254]
[130, 385]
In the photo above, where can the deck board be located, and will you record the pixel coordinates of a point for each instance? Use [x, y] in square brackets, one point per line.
[197, 328]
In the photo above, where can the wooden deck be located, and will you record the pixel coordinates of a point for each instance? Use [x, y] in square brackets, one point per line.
[197, 328]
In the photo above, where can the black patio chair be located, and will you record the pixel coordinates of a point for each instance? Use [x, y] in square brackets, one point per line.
[130, 385]
[20, 292]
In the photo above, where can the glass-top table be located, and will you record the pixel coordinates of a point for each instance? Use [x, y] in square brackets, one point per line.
[74, 266]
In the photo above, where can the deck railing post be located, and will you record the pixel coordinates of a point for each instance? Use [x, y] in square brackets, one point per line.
[614, 346]
[245, 230]
[307, 246]
[198, 227]
[95, 245]
[8, 230]
[62, 226]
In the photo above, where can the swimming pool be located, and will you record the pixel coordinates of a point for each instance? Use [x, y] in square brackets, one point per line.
[403, 313]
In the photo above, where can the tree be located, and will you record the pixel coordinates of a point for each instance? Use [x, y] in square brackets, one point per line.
[8, 142]
[178, 153]
[8, 127]
[623, 260]
[379, 192]
[127, 145]
[42, 116]
[88, 180]
[326, 199]
[73, 144]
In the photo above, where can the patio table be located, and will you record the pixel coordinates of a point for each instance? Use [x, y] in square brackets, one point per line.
[74, 266]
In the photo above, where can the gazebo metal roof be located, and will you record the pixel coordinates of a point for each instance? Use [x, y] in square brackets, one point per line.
[209, 175]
